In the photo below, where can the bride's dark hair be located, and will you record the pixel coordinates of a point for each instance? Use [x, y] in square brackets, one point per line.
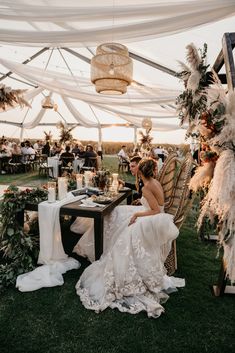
[147, 167]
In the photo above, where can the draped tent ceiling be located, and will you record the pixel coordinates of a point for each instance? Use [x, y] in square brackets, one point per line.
[155, 33]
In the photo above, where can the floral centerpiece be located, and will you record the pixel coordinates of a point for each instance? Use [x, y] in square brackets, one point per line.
[101, 179]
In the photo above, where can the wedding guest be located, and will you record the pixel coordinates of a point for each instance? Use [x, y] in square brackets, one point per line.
[76, 150]
[138, 184]
[122, 153]
[46, 149]
[89, 153]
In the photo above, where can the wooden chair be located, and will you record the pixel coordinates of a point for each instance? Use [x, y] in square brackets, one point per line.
[90, 164]
[123, 165]
[178, 204]
[15, 164]
[43, 167]
[67, 164]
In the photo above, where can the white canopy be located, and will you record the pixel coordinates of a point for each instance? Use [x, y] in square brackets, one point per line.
[82, 25]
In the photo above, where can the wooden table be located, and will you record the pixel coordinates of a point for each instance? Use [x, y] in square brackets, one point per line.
[97, 213]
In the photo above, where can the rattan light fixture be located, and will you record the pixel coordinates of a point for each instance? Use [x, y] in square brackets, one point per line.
[47, 103]
[147, 124]
[111, 69]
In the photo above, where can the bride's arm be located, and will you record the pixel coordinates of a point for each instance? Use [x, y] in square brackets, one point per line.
[153, 204]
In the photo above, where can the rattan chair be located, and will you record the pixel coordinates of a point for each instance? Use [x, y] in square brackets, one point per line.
[178, 205]
[167, 176]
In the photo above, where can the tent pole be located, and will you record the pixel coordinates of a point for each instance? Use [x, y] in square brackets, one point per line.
[21, 133]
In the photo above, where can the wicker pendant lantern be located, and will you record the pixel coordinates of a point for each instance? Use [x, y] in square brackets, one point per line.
[147, 124]
[47, 103]
[111, 69]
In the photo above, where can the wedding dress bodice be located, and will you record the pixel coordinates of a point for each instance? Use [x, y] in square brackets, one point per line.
[144, 203]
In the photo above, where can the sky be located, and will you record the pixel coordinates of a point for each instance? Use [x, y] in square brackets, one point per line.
[166, 51]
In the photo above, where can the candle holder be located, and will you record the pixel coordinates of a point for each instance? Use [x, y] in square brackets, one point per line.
[51, 188]
[87, 178]
[62, 188]
[79, 180]
[115, 183]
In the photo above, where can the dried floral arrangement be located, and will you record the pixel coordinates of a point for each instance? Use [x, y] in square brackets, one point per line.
[210, 112]
[9, 97]
[145, 139]
[48, 136]
[192, 101]
[65, 132]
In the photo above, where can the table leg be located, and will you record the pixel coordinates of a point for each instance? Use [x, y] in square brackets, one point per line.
[98, 233]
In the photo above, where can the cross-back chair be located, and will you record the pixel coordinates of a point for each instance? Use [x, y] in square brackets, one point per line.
[178, 202]
[67, 164]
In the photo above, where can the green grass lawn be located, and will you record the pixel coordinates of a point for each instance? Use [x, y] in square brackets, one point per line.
[53, 319]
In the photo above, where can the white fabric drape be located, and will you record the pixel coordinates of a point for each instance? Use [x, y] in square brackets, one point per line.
[139, 103]
[77, 115]
[85, 23]
[66, 85]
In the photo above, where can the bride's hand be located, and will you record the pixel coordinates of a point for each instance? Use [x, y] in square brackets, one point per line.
[133, 219]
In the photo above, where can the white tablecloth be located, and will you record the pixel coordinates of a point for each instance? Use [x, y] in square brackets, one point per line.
[55, 162]
[55, 261]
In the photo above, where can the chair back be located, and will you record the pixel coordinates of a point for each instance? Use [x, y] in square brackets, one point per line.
[67, 161]
[92, 162]
[180, 200]
[167, 176]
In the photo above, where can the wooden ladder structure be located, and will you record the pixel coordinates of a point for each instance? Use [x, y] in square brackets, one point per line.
[225, 58]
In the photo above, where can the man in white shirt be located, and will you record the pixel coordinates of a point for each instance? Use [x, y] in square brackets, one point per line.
[122, 153]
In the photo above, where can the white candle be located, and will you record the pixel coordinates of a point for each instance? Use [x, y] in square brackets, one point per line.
[87, 178]
[62, 188]
[79, 178]
[51, 194]
[115, 183]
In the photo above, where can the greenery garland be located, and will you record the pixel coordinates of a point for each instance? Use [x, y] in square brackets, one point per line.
[19, 245]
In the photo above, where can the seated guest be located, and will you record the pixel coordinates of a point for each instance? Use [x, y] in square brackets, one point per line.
[67, 157]
[89, 153]
[30, 150]
[123, 155]
[46, 149]
[139, 184]
[56, 149]
[81, 154]
[15, 149]
[76, 150]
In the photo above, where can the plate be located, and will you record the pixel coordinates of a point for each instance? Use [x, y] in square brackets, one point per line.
[103, 200]
[124, 189]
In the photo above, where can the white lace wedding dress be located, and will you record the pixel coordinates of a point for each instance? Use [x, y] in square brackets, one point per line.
[130, 275]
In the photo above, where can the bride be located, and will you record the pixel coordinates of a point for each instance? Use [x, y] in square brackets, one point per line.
[131, 275]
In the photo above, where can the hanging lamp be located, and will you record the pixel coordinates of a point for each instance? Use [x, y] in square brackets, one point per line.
[47, 103]
[147, 124]
[111, 69]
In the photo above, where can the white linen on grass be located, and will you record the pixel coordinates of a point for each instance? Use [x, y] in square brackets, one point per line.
[54, 260]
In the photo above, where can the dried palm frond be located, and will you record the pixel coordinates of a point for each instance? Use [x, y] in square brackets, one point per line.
[48, 136]
[145, 139]
[9, 97]
[202, 176]
[193, 58]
